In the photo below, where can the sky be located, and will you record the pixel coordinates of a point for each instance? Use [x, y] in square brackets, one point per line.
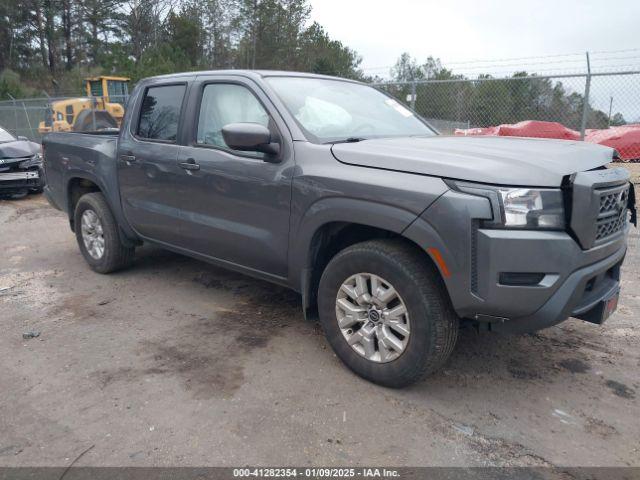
[471, 30]
[497, 37]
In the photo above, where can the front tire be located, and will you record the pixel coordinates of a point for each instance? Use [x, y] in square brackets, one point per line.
[386, 313]
[98, 236]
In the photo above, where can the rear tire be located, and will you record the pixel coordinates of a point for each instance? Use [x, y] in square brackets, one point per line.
[428, 331]
[98, 235]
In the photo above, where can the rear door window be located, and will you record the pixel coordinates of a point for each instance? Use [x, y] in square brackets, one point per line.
[160, 113]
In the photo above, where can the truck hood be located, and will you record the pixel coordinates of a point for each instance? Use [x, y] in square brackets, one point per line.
[495, 160]
[18, 149]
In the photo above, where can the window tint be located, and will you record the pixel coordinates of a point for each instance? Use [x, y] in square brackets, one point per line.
[223, 104]
[160, 112]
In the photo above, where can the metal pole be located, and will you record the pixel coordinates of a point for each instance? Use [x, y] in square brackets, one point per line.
[93, 112]
[15, 112]
[610, 107]
[585, 108]
[26, 114]
[413, 95]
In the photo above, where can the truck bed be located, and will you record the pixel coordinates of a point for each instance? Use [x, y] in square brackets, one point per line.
[83, 156]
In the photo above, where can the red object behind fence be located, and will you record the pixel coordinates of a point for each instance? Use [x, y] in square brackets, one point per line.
[528, 128]
[625, 139]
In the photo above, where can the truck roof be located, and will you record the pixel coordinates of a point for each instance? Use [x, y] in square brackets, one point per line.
[250, 73]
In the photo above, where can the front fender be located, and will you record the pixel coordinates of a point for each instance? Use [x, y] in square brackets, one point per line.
[450, 226]
[337, 210]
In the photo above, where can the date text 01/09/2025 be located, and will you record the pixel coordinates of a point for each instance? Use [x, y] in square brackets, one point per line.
[316, 472]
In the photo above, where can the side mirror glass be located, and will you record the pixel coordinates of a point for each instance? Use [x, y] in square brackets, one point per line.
[250, 137]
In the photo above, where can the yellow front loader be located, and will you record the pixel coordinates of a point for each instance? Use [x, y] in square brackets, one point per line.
[103, 108]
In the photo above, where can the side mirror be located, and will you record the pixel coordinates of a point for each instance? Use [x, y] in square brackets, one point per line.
[250, 137]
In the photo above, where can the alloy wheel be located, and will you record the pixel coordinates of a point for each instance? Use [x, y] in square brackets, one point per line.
[373, 317]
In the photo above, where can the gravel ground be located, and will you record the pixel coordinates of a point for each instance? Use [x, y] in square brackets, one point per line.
[634, 169]
[175, 362]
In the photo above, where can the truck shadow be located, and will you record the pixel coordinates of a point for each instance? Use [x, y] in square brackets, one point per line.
[477, 358]
[210, 343]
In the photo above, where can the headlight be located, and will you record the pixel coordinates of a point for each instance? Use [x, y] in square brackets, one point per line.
[524, 208]
[34, 161]
[532, 208]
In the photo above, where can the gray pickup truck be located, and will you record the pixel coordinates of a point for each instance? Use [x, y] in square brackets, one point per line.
[394, 235]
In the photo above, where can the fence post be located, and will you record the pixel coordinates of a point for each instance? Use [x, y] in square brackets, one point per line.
[413, 95]
[585, 107]
[93, 112]
[15, 112]
[26, 114]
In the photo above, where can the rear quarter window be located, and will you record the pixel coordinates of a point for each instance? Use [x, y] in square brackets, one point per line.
[160, 113]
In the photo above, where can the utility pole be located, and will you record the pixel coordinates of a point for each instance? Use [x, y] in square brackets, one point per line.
[610, 108]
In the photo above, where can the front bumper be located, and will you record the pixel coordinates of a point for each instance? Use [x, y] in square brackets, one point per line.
[18, 181]
[574, 280]
[579, 296]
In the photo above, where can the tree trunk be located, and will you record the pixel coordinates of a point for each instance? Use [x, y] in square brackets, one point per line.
[254, 34]
[41, 37]
[66, 30]
[50, 34]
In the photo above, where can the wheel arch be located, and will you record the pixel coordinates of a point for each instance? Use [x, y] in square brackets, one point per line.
[80, 183]
[77, 186]
[333, 229]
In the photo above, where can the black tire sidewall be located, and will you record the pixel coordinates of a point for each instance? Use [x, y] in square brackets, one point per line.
[110, 233]
[406, 367]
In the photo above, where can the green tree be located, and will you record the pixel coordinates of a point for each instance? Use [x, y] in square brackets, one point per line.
[58, 42]
[185, 33]
[318, 53]
[618, 120]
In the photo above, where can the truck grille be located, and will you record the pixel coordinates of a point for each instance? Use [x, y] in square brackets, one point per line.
[599, 205]
[613, 211]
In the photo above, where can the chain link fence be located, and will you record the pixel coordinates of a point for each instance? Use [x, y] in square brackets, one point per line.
[33, 117]
[598, 107]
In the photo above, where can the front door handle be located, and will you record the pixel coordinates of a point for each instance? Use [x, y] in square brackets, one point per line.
[128, 159]
[190, 164]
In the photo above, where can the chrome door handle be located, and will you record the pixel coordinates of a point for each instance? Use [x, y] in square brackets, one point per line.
[190, 164]
[128, 159]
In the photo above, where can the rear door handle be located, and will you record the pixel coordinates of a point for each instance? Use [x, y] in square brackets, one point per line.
[190, 164]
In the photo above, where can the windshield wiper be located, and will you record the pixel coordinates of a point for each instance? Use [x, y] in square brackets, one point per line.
[347, 140]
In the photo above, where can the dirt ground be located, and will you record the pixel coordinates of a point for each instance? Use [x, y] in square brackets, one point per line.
[175, 362]
[634, 169]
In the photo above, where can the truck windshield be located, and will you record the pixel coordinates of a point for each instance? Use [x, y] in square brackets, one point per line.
[332, 111]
